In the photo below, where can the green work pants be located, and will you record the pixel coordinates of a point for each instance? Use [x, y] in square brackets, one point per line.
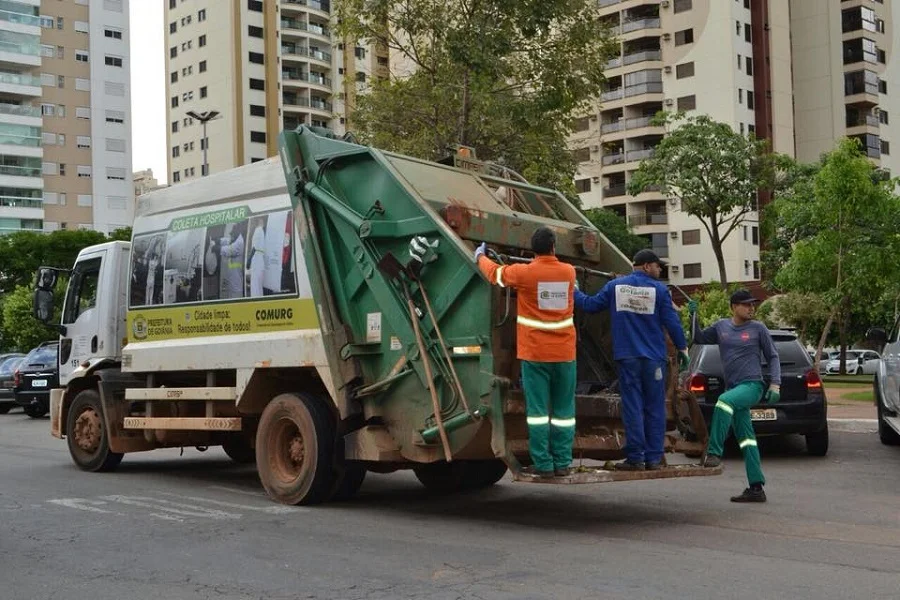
[734, 405]
[550, 412]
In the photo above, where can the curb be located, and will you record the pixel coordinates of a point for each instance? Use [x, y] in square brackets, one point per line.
[853, 425]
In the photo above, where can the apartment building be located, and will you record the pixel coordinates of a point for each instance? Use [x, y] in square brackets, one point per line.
[847, 77]
[249, 69]
[730, 59]
[86, 104]
[144, 182]
[21, 184]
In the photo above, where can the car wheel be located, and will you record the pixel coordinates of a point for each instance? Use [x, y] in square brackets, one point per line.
[35, 412]
[4, 408]
[86, 434]
[817, 443]
[886, 433]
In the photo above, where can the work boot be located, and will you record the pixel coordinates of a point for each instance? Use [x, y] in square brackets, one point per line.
[563, 472]
[656, 466]
[711, 461]
[751, 495]
[535, 472]
[627, 465]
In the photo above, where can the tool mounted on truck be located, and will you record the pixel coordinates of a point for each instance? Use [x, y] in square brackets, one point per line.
[322, 314]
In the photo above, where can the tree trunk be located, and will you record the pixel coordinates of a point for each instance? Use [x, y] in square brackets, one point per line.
[825, 331]
[842, 331]
[720, 259]
[463, 134]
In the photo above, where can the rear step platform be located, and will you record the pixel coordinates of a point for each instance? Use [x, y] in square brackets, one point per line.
[604, 475]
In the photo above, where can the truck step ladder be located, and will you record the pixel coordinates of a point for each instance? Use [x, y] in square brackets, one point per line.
[605, 475]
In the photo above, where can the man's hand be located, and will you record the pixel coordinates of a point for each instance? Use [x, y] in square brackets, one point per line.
[683, 360]
[773, 395]
[692, 306]
[480, 250]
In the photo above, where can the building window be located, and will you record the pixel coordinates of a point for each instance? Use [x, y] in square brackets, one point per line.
[740, 96]
[749, 66]
[690, 237]
[737, 28]
[359, 52]
[47, 22]
[176, 151]
[747, 36]
[174, 126]
[755, 269]
[885, 148]
[82, 112]
[685, 36]
[684, 70]
[693, 271]
[115, 116]
[114, 88]
[48, 110]
[173, 52]
[49, 168]
[201, 41]
[85, 200]
[82, 27]
[83, 171]
[188, 70]
[173, 27]
[751, 128]
[83, 141]
[48, 51]
[747, 4]
[258, 136]
[116, 173]
[113, 61]
[750, 100]
[883, 116]
[62, 171]
[203, 92]
[583, 186]
[201, 14]
[582, 154]
[258, 84]
[741, 128]
[173, 77]
[582, 124]
[203, 143]
[115, 145]
[254, 31]
[360, 77]
[61, 82]
[882, 86]
[81, 56]
[176, 176]
[257, 58]
[186, 20]
[754, 235]
[204, 170]
[255, 5]
[60, 22]
[686, 103]
[257, 111]
[202, 66]
[116, 34]
[172, 3]
[682, 5]
[174, 101]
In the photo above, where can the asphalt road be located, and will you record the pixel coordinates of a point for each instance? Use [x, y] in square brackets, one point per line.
[195, 526]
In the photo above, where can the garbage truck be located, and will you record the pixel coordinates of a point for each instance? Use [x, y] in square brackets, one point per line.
[277, 311]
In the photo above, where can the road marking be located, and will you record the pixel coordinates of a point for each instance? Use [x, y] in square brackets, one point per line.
[83, 504]
[274, 509]
[237, 491]
[175, 508]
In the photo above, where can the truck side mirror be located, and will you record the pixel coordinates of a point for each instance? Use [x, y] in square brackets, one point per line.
[46, 279]
[42, 306]
[877, 335]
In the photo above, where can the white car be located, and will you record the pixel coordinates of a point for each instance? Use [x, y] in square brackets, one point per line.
[859, 362]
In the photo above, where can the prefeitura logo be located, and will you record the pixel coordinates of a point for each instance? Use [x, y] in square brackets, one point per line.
[139, 327]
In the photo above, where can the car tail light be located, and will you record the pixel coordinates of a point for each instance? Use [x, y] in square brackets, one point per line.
[697, 383]
[17, 378]
[813, 381]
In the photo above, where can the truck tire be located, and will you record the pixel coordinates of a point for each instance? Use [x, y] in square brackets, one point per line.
[295, 449]
[485, 473]
[886, 434]
[86, 434]
[239, 450]
[351, 481]
[443, 477]
[4, 408]
[817, 443]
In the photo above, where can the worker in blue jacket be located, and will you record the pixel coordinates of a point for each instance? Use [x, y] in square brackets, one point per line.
[641, 309]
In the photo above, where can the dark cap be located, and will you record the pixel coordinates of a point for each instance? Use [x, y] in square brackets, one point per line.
[646, 257]
[743, 297]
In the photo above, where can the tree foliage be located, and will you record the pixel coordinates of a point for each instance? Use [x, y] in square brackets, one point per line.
[617, 230]
[505, 77]
[847, 239]
[712, 171]
[25, 332]
[712, 305]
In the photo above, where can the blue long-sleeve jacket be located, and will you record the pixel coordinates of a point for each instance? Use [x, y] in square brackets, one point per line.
[640, 309]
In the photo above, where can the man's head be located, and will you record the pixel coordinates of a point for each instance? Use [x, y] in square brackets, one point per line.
[743, 305]
[648, 262]
[543, 241]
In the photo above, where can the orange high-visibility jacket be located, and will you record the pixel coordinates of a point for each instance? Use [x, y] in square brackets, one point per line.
[545, 329]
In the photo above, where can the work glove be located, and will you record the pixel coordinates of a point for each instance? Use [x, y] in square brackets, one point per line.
[480, 250]
[692, 306]
[773, 394]
[683, 360]
[423, 251]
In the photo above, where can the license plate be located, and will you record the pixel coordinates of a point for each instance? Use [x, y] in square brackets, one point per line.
[39, 383]
[763, 414]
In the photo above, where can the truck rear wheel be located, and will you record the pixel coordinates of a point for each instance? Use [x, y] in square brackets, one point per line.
[351, 481]
[86, 434]
[239, 450]
[485, 473]
[443, 477]
[295, 449]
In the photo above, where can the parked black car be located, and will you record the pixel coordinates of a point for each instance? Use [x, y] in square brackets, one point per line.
[36, 375]
[8, 364]
[802, 408]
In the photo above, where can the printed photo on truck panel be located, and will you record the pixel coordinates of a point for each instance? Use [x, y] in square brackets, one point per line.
[248, 258]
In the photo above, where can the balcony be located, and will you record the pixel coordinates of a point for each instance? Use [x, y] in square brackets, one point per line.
[17, 79]
[20, 110]
[639, 24]
[300, 51]
[20, 48]
[661, 251]
[638, 122]
[308, 27]
[652, 87]
[321, 105]
[603, 3]
[20, 18]
[20, 135]
[613, 94]
[868, 121]
[294, 102]
[611, 127]
[20, 171]
[20, 202]
[641, 219]
[616, 158]
[315, 4]
[614, 191]
[614, 62]
[643, 56]
[635, 155]
[288, 77]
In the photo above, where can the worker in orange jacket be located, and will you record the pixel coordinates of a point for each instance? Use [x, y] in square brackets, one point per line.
[545, 333]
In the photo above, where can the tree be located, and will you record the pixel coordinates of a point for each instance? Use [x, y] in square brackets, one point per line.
[122, 234]
[617, 230]
[21, 331]
[505, 77]
[713, 171]
[851, 257]
[712, 305]
[22, 252]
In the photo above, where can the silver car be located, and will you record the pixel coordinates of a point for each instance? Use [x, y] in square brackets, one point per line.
[859, 362]
[887, 384]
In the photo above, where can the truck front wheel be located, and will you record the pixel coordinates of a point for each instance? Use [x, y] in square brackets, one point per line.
[295, 449]
[87, 436]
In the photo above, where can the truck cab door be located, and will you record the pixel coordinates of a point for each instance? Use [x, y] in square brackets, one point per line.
[890, 358]
[87, 312]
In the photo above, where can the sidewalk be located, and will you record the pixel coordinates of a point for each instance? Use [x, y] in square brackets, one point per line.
[841, 408]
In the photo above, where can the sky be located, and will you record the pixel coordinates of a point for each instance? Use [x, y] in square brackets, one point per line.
[148, 88]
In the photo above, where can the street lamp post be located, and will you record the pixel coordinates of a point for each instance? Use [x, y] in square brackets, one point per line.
[204, 118]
